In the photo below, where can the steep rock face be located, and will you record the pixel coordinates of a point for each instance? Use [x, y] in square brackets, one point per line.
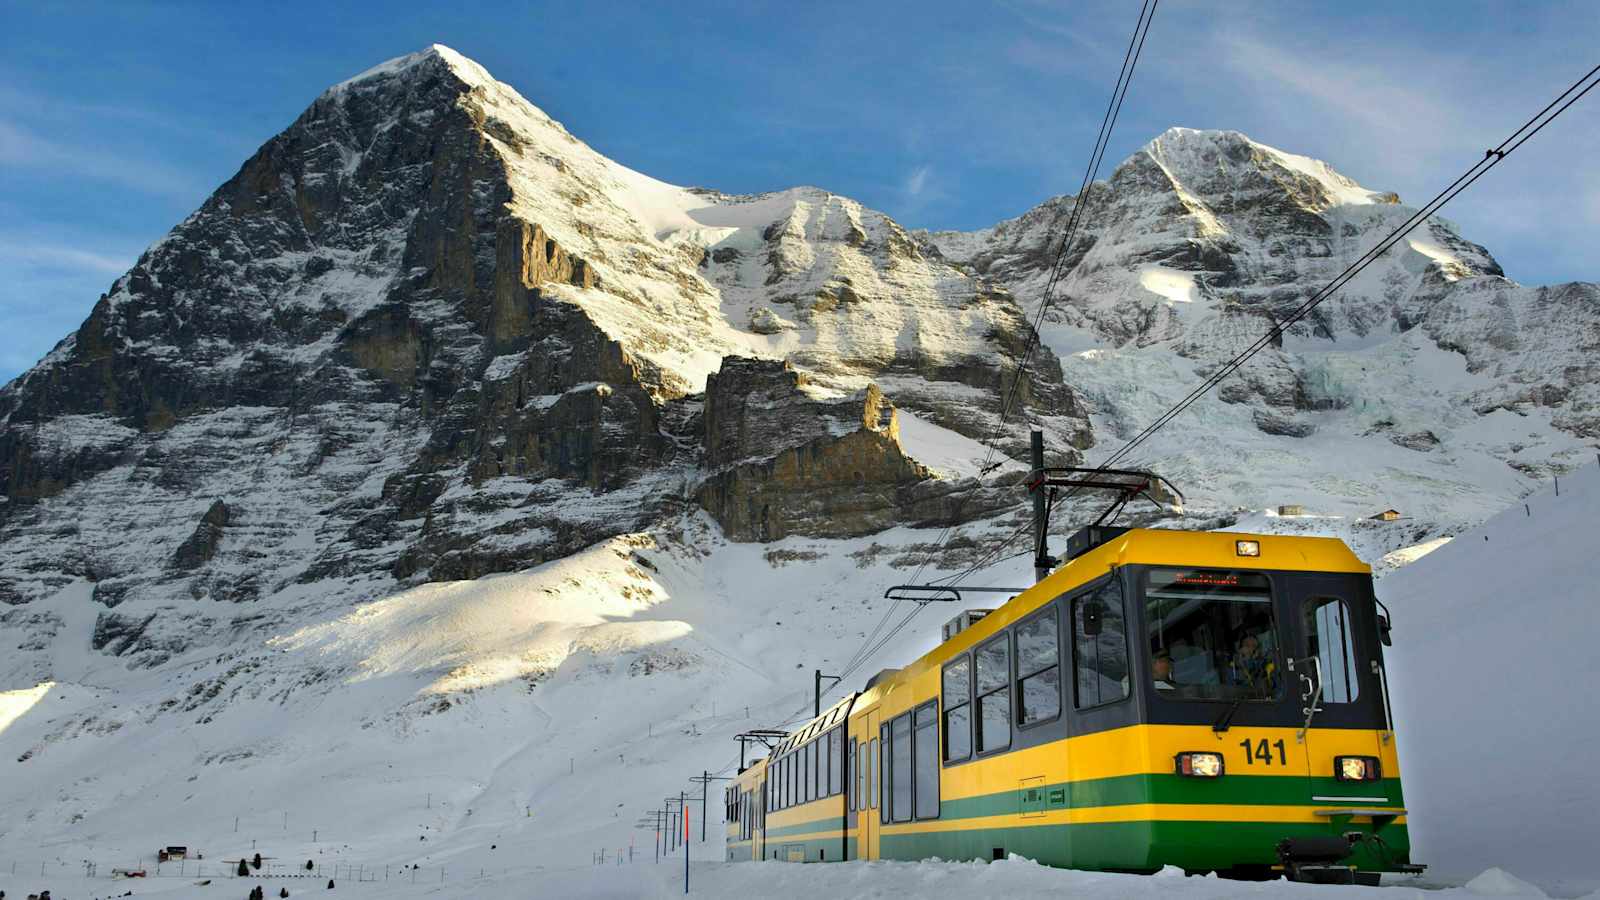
[788, 460]
[426, 333]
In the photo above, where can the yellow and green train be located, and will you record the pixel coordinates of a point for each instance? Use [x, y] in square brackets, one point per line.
[1207, 700]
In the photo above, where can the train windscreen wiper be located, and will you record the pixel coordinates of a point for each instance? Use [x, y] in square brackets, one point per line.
[1223, 723]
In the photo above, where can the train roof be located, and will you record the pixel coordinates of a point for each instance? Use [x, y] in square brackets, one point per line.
[1136, 546]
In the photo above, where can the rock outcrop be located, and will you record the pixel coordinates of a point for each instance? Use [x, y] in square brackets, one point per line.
[201, 546]
[785, 460]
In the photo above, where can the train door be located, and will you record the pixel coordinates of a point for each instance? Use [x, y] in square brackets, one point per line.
[1341, 707]
[866, 769]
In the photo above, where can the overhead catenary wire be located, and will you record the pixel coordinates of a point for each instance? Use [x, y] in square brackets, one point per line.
[1491, 158]
[872, 643]
[1130, 61]
[1108, 121]
[1478, 169]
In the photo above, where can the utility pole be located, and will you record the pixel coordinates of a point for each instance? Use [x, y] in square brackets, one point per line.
[685, 808]
[816, 687]
[704, 779]
[674, 817]
[1042, 563]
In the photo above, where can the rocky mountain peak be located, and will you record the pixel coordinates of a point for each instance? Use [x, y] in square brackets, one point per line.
[425, 333]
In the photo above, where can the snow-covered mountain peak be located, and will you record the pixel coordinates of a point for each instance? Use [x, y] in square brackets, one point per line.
[404, 66]
[1198, 156]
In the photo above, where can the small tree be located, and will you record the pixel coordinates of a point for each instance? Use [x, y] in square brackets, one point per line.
[244, 868]
[256, 861]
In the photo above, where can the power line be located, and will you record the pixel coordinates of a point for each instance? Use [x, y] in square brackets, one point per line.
[1119, 93]
[1491, 158]
[1130, 60]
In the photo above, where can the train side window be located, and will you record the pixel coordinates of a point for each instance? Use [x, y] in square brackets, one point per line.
[819, 767]
[958, 710]
[855, 777]
[900, 771]
[1038, 669]
[808, 769]
[1100, 647]
[835, 762]
[879, 748]
[824, 763]
[994, 694]
[925, 751]
[1331, 639]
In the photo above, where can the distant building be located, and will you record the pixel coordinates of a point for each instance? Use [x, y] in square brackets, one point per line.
[1291, 509]
[1388, 515]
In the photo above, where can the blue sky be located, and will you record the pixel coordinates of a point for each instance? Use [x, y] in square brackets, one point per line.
[116, 120]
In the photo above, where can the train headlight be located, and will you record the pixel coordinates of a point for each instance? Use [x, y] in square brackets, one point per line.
[1199, 765]
[1356, 768]
[1247, 548]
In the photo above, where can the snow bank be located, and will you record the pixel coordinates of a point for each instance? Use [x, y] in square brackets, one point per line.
[1494, 669]
[645, 879]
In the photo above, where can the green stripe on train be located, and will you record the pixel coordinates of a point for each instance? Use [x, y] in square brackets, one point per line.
[1141, 846]
[824, 850]
[1231, 790]
[833, 824]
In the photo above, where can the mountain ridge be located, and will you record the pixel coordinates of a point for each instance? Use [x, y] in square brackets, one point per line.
[426, 334]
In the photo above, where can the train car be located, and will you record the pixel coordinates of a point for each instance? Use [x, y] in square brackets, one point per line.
[1212, 701]
[743, 811]
[804, 791]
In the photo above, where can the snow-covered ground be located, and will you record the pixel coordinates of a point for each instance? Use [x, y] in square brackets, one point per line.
[1015, 878]
[517, 725]
[1494, 666]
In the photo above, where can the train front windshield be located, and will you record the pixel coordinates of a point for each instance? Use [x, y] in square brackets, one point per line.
[1212, 635]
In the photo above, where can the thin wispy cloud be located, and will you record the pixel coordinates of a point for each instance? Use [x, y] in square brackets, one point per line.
[23, 148]
[37, 107]
[57, 256]
[917, 181]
